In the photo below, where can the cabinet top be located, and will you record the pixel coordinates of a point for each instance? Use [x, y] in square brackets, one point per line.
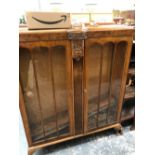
[61, 34]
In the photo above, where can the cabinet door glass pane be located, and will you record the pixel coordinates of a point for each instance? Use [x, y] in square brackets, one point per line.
[28, 84]
[99, 61]
[44, 83]
[106, 66]
[43, 69]
[93, 56]
[117, 70]
[60, 84]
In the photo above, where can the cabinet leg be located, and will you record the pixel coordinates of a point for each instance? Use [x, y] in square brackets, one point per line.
[133, 125]
[119, 130]
[31, 151]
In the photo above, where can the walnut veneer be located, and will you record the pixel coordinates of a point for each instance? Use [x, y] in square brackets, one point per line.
[72, 81]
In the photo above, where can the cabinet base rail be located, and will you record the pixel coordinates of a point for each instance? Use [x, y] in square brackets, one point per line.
[32, 149]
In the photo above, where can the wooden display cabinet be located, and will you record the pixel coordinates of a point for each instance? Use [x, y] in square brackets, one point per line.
[72, 82]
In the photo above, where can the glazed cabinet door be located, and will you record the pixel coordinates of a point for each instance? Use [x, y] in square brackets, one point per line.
[104, 65]
[46, 84]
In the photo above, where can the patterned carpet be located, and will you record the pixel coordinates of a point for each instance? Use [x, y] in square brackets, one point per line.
[104, 143]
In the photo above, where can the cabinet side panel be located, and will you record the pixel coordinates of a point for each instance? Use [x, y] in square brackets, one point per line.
[24, 116]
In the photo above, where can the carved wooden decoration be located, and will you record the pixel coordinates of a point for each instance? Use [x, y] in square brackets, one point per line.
[77, 43]
[77, 49]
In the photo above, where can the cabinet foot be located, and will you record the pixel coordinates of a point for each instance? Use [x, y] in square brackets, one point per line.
[119, 130]
[31, 151]
[132, 127]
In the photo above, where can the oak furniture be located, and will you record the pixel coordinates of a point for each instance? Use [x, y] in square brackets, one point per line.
[72, 81]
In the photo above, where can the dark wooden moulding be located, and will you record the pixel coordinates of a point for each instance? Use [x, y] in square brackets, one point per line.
[72, 82]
